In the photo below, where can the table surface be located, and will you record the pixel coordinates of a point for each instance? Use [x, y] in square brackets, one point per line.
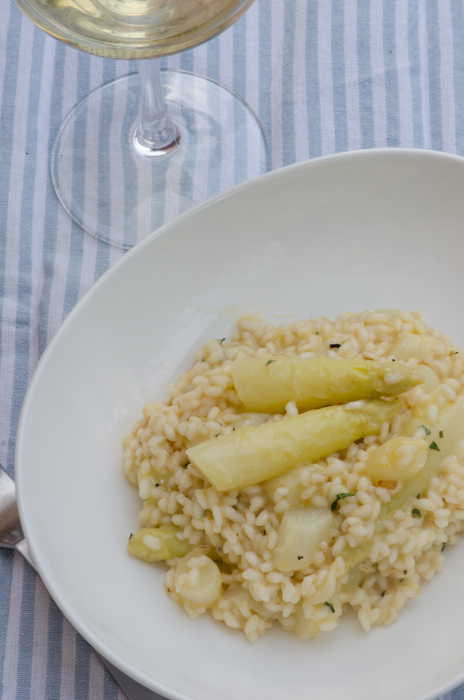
[323, 76]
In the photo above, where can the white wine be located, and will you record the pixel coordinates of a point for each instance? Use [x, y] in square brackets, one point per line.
[133, 28]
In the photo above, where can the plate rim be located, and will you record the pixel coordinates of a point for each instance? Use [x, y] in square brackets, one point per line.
[161, 232]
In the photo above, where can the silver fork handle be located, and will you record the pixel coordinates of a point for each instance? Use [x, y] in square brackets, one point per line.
[23, 549]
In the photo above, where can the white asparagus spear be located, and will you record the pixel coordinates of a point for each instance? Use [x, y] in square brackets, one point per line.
[266, 385]
[251, 455]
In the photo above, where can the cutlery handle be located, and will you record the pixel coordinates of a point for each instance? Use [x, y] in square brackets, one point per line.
[23, 549]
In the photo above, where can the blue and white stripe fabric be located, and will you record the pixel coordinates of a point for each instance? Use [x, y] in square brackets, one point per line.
[322, 75]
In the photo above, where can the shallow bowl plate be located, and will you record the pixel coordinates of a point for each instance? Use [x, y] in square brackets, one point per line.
[355, 231]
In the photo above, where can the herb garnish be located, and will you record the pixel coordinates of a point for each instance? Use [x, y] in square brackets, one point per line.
[418, 496]
[316, 332]
[401, 580]
[440, 434]
[269, 362]
[221, 340]
[416, 513]
[329, 605]
[434, 446]
[427, 431]
[335, 345]
[443, 546]
[382, 594]
[339, 498]
[217, 435]
[131, 535]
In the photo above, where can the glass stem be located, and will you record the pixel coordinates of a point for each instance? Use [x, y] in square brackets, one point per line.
[156, 134]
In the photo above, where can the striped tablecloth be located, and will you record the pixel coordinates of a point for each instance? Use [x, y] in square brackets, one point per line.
[322, 76]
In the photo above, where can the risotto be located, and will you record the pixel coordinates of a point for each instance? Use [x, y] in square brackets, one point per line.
[300, 470]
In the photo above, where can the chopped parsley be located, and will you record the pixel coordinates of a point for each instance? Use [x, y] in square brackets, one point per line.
[269, 362]
[186, 464]
[329, 605]
[221, 340]
[339, 497]
[401, 580]
[132, 534]
[440, 434]
[427, 431]
[416, 513]
[443, 546]
[335, 345]
[418, 496]
[382, 594]
[316, 332]
[217, 435]
[434, 446]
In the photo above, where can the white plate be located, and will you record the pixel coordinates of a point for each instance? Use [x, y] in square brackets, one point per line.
[359, 230]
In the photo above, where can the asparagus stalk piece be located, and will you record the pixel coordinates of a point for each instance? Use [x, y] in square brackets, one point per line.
[444, 435]
[206, 588]
[267, 385]
[300, 533]
[252, 455]
[441, 441]
[158, 543]
[398, 459]
[415, 345]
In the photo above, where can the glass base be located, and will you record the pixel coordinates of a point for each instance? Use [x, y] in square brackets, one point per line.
[121, 196]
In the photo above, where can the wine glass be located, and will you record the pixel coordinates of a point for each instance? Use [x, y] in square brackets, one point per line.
[126, 159]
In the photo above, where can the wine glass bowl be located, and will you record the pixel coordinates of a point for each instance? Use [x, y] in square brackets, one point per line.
[133, 29]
